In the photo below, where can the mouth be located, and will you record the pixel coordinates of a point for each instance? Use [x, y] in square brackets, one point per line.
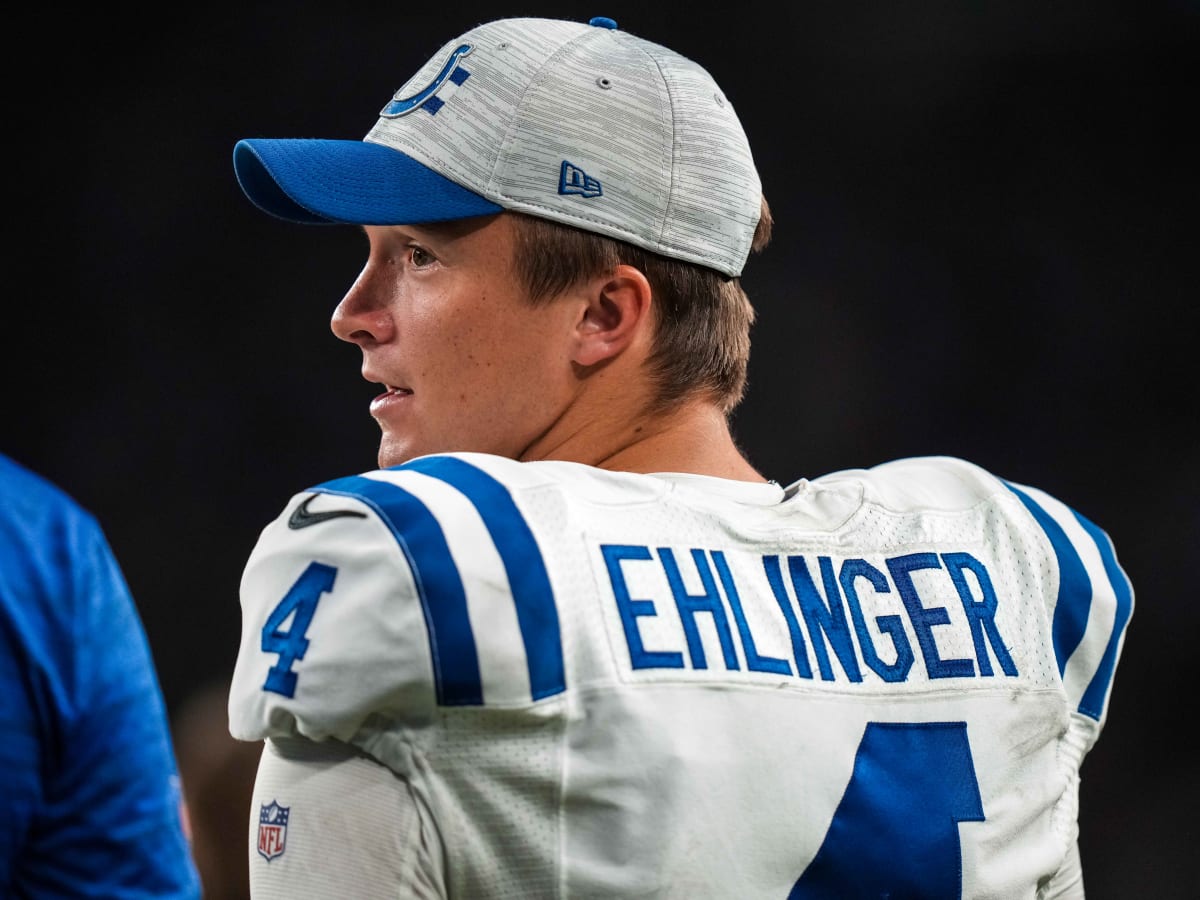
[392, 397]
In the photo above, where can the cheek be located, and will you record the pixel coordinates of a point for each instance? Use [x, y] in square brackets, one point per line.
[489, 355]
[437, 341]
[499, 338]
[534, 348]
[513, 375]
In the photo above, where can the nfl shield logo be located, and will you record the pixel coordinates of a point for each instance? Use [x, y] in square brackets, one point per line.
[272, 830]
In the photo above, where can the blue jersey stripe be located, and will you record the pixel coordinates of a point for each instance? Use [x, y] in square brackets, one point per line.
[1094, 697]
[1074, 586]
[451, 641]
[537, 614]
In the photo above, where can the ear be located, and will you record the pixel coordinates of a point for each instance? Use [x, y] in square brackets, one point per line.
[617, 311]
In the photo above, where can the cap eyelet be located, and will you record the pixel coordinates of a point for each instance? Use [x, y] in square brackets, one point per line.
[605, 82]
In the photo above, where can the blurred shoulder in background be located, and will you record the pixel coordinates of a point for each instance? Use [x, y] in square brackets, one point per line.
[89, 787]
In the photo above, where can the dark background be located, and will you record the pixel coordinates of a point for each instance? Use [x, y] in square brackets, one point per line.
[985, 247]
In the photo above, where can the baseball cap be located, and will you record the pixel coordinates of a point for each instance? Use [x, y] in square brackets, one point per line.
[579, 123]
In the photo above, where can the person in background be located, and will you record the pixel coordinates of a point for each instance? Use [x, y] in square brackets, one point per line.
[217, 773]
[567, 640]
[90, 800]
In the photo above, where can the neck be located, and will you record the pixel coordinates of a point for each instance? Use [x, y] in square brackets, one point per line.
[693, 438]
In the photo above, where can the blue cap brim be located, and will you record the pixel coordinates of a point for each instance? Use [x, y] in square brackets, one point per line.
[315, 182]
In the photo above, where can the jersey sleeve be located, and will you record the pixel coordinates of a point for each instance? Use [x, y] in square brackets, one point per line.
[333, 630]
[1088, 597]
[1092, 605]
[327, 821]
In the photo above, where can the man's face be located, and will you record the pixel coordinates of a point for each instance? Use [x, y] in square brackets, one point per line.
[467, 363]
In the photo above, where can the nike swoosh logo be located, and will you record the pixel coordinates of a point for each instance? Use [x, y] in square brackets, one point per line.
[302, 518]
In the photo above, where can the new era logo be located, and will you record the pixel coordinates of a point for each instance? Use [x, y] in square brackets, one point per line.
[573, 180]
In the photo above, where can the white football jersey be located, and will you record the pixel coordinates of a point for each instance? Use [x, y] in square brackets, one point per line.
[582, 683]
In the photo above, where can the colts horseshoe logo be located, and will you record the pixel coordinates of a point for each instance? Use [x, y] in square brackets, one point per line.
[402, 106]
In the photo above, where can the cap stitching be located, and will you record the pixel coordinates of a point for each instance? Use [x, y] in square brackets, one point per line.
[538, 79]
[654, 234]
[667, 113]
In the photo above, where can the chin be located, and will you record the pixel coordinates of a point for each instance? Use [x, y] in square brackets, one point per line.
[394, 453]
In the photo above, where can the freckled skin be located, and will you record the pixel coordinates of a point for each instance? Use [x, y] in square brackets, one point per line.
[437, 310]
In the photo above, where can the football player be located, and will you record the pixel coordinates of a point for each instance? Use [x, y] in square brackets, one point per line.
[566, 640]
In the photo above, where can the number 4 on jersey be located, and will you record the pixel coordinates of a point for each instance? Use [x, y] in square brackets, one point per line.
[895, 833]
[291, 644]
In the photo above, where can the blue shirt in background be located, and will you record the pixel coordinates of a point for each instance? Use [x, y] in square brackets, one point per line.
[90, 802]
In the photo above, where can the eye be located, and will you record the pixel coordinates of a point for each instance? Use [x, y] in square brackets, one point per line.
[420, 257]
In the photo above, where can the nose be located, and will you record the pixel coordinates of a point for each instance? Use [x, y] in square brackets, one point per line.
[362, 317]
